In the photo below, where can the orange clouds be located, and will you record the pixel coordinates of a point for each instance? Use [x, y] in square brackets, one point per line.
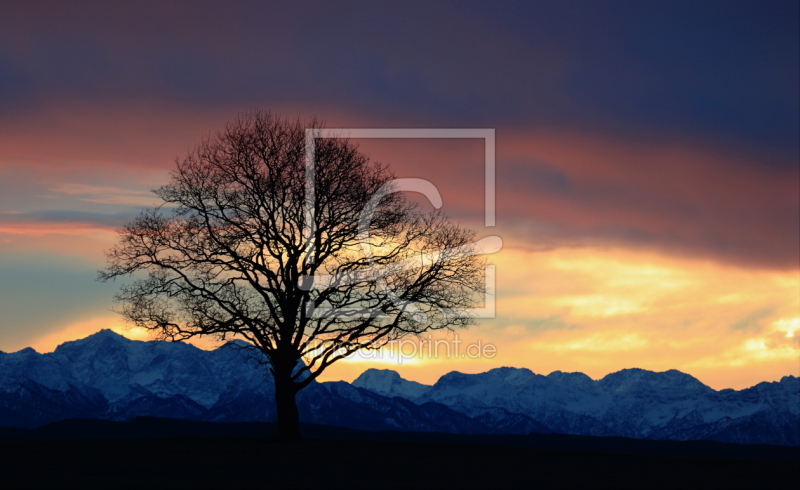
[617, 254]
[665, 196]
[601, 310]
[557, 188]
[554, 188]
[70, 138]
[625, 309]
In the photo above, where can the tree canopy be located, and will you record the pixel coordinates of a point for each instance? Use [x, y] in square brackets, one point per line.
[246, 245]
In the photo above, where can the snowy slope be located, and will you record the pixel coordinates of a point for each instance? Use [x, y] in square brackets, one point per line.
[120, 368]
[108, 376]
[389, 383]
[632, 402]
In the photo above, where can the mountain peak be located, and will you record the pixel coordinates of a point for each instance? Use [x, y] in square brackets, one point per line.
[510, 375]
[107, 333]
[104, 336]
[236, 345]
[379, 374]
[26, 351]
[240, 342]
[635, 379]
[511, 371]
[574, 379]
[389, 382]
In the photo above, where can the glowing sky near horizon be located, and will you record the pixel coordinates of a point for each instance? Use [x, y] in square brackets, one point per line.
[647, 160]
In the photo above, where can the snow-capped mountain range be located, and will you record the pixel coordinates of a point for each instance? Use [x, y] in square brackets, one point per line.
[108, 376]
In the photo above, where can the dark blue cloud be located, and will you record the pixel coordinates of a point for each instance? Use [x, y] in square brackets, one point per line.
[721, 70]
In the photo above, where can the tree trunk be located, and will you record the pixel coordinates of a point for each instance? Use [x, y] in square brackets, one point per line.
[286, 404]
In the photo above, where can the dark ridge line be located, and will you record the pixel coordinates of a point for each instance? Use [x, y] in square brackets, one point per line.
[163, 428]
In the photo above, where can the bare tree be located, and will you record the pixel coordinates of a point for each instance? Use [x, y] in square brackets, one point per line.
[239, 249]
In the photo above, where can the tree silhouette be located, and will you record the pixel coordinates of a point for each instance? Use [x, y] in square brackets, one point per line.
[242, 247]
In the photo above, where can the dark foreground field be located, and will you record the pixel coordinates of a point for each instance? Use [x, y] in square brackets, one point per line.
[323, 462]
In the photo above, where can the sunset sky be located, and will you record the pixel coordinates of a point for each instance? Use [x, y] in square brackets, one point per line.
[647, 159]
